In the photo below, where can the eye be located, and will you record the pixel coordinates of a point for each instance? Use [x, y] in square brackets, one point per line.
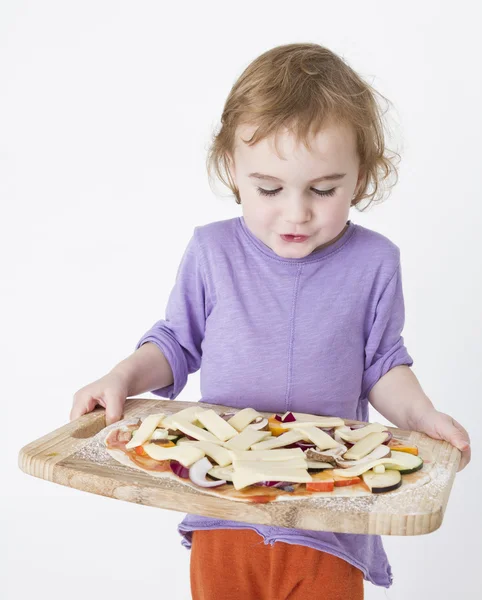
[264, 192]
[324, 192]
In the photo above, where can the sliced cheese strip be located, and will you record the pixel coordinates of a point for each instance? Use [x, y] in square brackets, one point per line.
[268, 455]
[326, 422]
[185, 454]
[366, 445]
[243, 418]
[195, 432]
[186, 414]
[216, 425]
[318, 437]
[246, 439]
[145, 431]
[366, 466]
[214, 451]
[355, 435]
[285, 439]
[245, 477]
[309, 417]
[290, 463]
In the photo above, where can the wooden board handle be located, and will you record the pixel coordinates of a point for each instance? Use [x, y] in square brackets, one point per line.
[89, 424]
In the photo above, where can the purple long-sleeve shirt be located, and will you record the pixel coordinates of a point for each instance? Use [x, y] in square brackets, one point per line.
[310, 335]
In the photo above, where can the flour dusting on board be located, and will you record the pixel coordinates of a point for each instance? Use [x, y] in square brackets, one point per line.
[425, 485]
[95, 451]
[426, 489]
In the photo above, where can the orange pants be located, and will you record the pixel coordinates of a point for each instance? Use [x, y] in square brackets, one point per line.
[236, 564]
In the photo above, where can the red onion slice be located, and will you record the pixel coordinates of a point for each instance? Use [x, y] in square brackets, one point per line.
[178, 469]
[277, 484]
[289, 418]
[390, 436]
[278, 418]
[198, 471]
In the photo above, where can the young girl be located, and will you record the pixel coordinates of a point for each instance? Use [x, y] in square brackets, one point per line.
[289, 307]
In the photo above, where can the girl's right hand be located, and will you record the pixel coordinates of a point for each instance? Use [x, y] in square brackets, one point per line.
[109, 391]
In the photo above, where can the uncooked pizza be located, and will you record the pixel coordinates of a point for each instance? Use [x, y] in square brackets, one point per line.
[245, 456]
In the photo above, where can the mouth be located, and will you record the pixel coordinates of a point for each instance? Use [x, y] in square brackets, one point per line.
[288, 237]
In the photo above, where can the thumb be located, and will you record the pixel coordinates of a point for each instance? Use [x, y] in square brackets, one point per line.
[114, 406]
[456, 434]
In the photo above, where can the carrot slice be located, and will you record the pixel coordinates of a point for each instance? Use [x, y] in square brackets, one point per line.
[342, 481]
[410, 449]
[274, 426]
[320, 486]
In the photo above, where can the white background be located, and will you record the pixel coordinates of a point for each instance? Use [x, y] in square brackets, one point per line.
[106, 112]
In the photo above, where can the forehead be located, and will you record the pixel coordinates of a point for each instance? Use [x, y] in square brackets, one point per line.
[333, 147]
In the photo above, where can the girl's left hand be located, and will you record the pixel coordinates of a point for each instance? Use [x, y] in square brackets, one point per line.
[440, 426]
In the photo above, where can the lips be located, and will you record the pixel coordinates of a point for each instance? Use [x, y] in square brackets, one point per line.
[288, 237]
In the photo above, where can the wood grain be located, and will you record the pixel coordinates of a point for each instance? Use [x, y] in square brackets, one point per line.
[416, 508]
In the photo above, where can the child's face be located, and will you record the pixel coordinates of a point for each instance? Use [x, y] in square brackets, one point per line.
[295, 207]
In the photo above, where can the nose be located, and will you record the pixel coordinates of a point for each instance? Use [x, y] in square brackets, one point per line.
[297, 211]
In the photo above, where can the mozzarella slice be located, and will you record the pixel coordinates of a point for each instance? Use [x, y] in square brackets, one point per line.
[195, 431]
[366, 445]
[186, 414]
[243, 418]
[310, 420]
[355, 435]
[268, 455]
[318, 437]
[310, 417]
[246, 439]
[216, 425]
[214, 451]
[285, 439]
[365, 466]
[147, 428]
[290, 463]
[185, 454]
[266, 472]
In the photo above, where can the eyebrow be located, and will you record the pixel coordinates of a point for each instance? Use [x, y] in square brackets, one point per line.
[332, 177]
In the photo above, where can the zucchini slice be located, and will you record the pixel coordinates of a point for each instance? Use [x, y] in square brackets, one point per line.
[225, 473]
[410, 462]
[317, 465]
[382, 482]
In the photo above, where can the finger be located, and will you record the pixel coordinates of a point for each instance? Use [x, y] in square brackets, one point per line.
[464, 461]
[114, 406]
[82, 406]
[463, 431]
[460, 439]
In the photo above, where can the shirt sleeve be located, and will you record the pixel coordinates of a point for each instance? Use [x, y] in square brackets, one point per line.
[179, 336]
[385, 346]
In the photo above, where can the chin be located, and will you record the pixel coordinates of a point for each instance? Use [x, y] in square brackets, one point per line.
[294, 252]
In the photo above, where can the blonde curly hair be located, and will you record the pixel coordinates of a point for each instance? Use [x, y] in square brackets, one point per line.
[301, 87]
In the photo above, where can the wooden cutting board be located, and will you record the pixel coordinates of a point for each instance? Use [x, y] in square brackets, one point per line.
[74, 456]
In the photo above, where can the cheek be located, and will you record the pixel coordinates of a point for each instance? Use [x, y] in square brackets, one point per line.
[337, 208]
[258, 207]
